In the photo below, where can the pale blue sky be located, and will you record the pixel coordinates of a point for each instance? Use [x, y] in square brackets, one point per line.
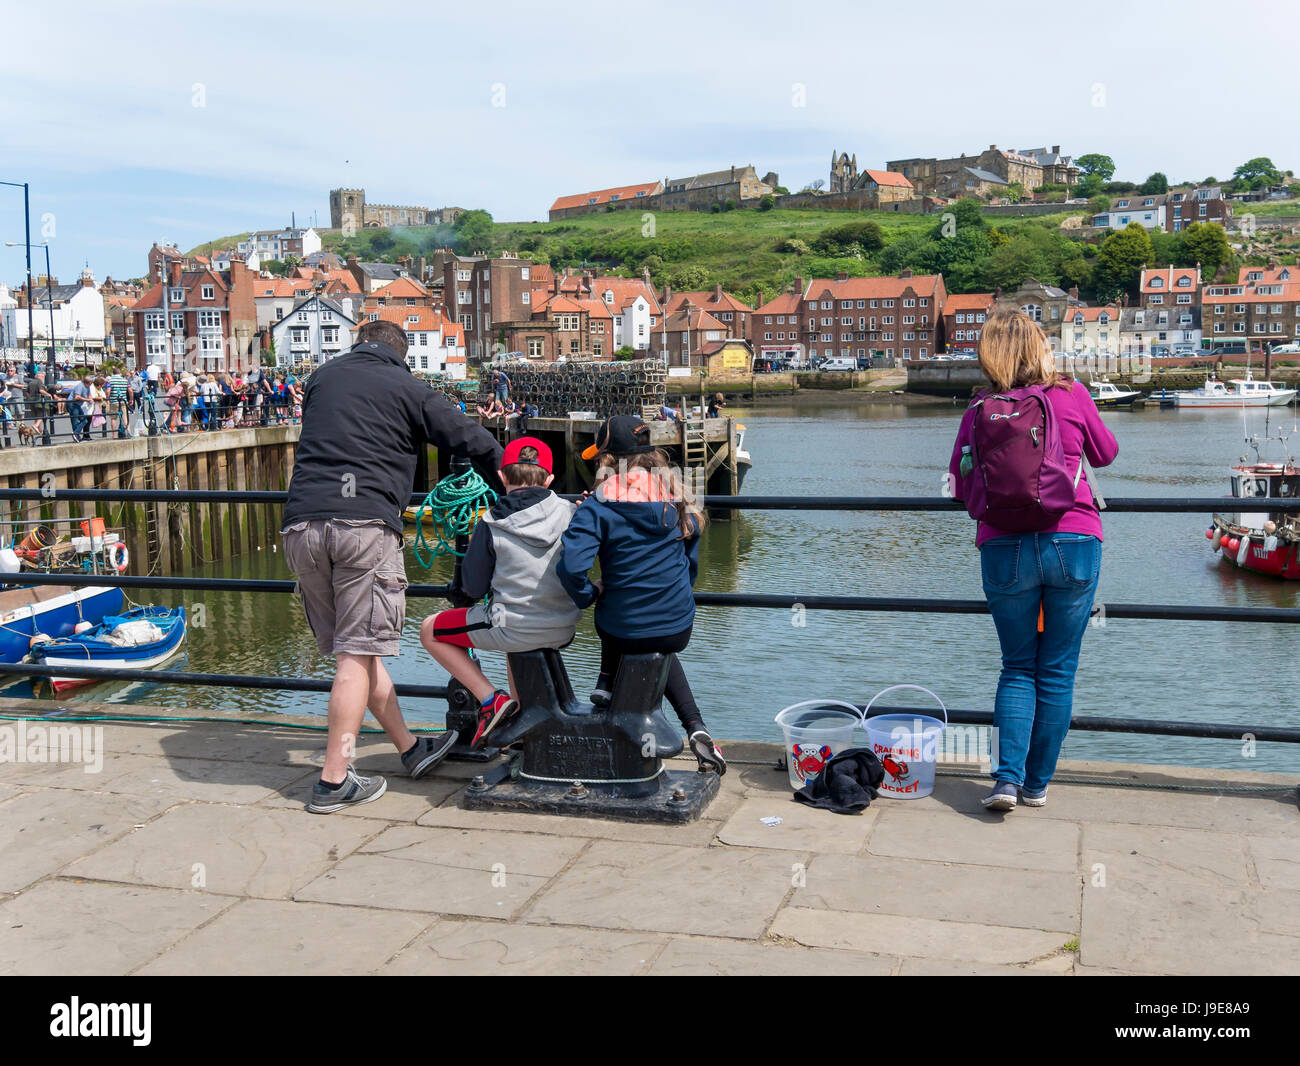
[97, 104]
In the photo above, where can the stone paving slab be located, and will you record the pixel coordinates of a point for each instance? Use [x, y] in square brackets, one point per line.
[1277, 860]
[1182, 902]
[239, 851]
[924, 937]
[802, 828]
[1016, 841]
[9, 791]
[66, 927]
[1030, 899]
[475, 948]
[666, 888]
[273, 937]
[212, 780]
[42, 831]
[446, 871]
[700, 956]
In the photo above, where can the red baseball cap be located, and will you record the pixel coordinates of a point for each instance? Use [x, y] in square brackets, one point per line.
[512, 450]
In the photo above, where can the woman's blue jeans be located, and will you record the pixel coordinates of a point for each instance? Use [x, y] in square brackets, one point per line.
[1057, 571]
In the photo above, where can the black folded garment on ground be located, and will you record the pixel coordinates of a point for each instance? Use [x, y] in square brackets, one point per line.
[846, 784]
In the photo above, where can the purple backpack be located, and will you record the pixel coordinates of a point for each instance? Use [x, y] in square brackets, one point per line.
[1018, 482]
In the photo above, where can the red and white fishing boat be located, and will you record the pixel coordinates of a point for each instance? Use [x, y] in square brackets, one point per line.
[1258, 539]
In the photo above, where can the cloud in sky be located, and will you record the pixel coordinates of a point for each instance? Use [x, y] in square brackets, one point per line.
[193, 121]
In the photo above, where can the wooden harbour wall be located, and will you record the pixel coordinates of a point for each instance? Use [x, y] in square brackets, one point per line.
[161, 537]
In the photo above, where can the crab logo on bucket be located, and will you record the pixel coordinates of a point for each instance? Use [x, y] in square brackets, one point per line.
[808, 759]
[895, 768]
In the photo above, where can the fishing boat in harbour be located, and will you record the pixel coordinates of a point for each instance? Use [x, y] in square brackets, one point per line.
[28, 611]
[138, 639]
[1267, 542]
[1246, 392]
[1108, 394]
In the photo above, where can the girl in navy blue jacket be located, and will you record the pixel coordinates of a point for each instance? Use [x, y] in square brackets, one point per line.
[646, 535]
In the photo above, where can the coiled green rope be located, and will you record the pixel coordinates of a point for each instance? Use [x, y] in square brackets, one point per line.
[453, 507]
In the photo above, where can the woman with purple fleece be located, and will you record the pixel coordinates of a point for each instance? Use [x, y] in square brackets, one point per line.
[1054, 570]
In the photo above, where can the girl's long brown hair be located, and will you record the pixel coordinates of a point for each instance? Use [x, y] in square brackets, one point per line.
[1013, 351]
[690, 517]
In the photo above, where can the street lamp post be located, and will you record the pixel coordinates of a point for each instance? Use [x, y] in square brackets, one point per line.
[31, 331]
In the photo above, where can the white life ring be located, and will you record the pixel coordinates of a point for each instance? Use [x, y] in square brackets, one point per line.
[118, 557]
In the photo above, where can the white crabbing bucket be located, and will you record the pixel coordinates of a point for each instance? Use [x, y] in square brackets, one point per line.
[814, 731]
[907, 745]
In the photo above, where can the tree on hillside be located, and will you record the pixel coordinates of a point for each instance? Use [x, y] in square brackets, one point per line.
[1257, 173]
[1095, 164]
[1156, 183]
[837, 240]
[1015, 192]
[1098, 204]
[962, 259]
[473, 231]
[1120, 261]
[1207, 244]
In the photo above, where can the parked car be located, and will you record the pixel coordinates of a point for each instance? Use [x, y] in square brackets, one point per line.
[839, 363]
[1185, 351]
[1289, 348]
[1160, 351]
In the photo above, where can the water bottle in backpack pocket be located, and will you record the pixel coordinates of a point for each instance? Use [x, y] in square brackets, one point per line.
[1018, 480]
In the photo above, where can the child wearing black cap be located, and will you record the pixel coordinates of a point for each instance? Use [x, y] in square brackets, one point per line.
[646, 534]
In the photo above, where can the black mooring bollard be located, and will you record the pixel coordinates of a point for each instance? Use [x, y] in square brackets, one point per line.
[576, 759]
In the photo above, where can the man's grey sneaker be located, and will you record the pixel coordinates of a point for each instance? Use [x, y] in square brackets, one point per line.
[603, 692]
[1002, 798]
[428, 752]
[1030, 798]
[355, 789]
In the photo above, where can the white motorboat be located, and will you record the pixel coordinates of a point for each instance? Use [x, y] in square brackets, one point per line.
[1245, 392]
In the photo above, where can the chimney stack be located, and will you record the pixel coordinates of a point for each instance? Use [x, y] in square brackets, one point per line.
[1056, 149]
[798, 285]
[717, 292]
[841, 276]
[174, 272]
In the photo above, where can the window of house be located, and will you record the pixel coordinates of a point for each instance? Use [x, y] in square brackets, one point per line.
[178, 296]
[209, 292]
[534, 347]
[178, 320]
[209, 319]
[575, 346]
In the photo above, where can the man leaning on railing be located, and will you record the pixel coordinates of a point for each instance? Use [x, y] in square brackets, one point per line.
[365, 419]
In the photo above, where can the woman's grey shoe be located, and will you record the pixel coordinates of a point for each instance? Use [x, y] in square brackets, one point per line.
[1030, 798]
[428, 752]
[355, 789]
[707, 753]
[1002, 798]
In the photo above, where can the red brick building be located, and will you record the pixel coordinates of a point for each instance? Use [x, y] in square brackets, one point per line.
[561, 325]
[774, 330]
[689, 334]
[480, 293]
[898, 317]
[963, 320]
[1170, 288]
[732, 312]
[1259, 313]
[199, 320]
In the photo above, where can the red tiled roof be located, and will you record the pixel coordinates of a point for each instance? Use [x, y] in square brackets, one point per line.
[887, 288]
[425, 319]
[695, 319]
[785, 304]
[709, 301]
[625, 290]
[970, 301]
[402, 288]
[888, 177]
[1290, 294]
[1091, 314]
[1269, 275]
[604, 196]
[1169, 279]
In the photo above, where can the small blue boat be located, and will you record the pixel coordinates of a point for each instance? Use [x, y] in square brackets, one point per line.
[53, 610]
[137, 639]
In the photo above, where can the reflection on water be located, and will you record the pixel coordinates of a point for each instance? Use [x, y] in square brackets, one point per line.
[746, 664]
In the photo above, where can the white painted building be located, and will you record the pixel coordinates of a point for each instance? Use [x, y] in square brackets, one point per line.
[315, 330]
[8, 338]
[279, 244]
[221, 260]
[1090, 329]
[78, 321]
[1143, 329]
[434, 344]
[1147, 211]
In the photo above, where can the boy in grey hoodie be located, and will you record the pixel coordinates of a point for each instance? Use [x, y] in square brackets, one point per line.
[511, 561]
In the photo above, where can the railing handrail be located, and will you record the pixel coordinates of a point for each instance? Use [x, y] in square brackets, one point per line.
[1122, 504]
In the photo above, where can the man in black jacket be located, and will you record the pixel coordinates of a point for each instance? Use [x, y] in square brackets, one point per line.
[364, 420]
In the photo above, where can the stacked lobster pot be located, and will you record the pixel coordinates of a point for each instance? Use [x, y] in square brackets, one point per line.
[616, 388]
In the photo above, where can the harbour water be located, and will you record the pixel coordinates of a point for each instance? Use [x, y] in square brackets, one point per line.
[746, 664]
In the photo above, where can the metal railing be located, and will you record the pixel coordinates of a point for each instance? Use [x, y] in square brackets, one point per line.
[783, 601]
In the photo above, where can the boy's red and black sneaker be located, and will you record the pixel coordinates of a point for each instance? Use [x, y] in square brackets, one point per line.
[491, 714]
